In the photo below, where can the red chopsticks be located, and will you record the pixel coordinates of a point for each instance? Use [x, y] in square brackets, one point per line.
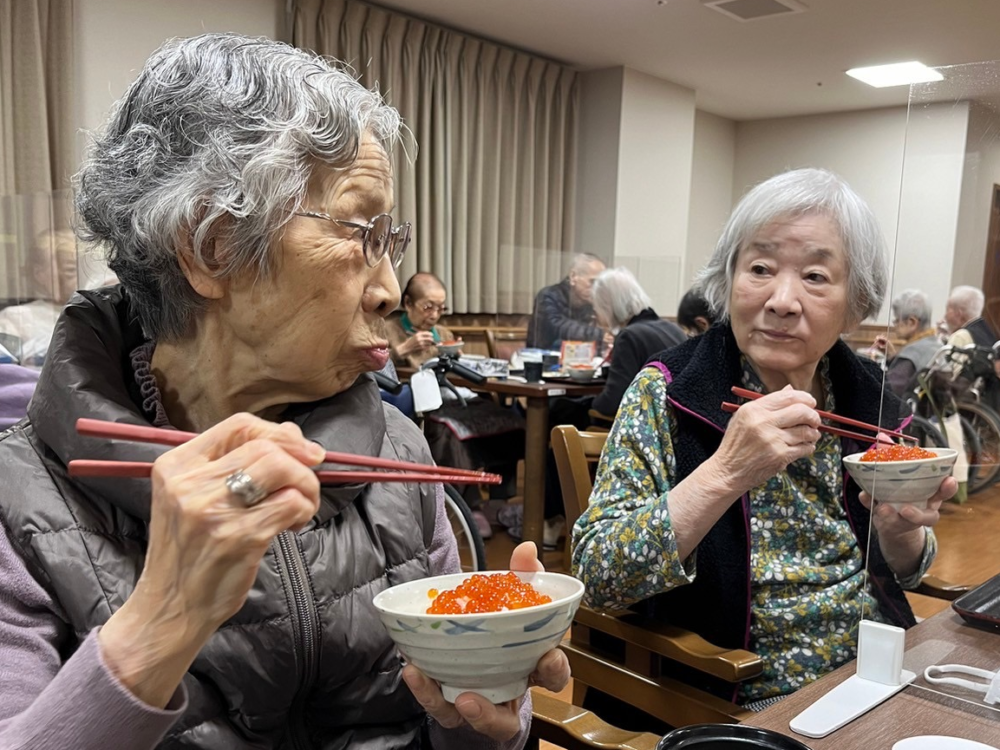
[753, 395]
[404, 471]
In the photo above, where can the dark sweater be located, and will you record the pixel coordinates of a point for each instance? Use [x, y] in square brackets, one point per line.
[716, 604]
[641, 338]
[555, 319]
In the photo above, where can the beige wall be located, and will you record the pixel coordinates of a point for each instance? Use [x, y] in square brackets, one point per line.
[711, 188]
[982, 172]
[597, 160]
[867, 148]
[114, 38]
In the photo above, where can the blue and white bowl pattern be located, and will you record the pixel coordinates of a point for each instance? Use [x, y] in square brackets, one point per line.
[902, 482]
[491, 654]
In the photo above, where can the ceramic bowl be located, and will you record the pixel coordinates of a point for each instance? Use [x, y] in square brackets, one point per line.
[902, 482]
[721, 736]
[450, 347]
[581, 374]
[492, 653]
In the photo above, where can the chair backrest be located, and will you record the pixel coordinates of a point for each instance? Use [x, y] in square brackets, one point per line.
[622, 656]
[576, 452]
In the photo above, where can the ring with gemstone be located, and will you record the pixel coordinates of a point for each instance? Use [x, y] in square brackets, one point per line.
[241, 485]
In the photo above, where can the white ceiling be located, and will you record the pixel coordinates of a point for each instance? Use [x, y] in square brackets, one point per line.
[772, 67]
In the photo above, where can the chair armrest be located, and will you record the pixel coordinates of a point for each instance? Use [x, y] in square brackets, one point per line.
[672, 642]
[573, 728]
[940, 589]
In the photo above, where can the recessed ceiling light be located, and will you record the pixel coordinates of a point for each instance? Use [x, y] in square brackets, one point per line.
[896, 74]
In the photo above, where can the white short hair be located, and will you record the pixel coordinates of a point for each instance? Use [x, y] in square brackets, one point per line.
[617, 296]
[969, 300]
[913, 303]
[798, 193]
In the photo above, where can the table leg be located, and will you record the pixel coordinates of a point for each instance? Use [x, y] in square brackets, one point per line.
[536, 446]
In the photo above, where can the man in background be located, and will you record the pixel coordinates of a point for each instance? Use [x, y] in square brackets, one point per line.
[965, 304]
[563, 311]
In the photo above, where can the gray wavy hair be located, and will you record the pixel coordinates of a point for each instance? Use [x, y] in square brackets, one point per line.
[913, 303]
[797, 193]
[618, 297]
[215, 142]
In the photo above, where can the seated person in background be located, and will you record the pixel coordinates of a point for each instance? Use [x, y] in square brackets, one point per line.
[55, 273]
[16, 386]
[415, 334]
[563, 311]
[911, 319]
[480, 435]
[624, 308]
[965, 304]
[694, 314]
[227, 602]
[52, 281]
[740, 527]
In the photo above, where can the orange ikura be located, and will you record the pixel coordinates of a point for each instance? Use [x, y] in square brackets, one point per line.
[887, 452]
[494, 592]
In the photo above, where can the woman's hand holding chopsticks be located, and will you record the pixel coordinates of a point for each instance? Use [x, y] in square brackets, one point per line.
[217, 503]
[766, 435]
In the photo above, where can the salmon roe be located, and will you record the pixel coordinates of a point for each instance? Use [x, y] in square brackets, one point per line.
[894, 452]
[494, 592]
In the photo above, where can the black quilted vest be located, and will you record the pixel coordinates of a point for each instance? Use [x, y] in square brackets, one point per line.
[306, 662]
[716, 604]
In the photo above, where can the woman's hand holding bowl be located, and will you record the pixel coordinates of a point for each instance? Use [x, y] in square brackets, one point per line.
[766, 435]
[206, 544]
[498, 722]
[900, 527]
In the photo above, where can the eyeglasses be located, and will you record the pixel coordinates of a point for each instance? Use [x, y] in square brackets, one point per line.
[378, 237]
[428, 307]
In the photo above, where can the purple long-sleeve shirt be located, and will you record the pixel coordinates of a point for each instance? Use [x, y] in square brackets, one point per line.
[49, 704]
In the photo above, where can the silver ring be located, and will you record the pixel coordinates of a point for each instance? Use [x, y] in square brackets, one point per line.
[241, 485]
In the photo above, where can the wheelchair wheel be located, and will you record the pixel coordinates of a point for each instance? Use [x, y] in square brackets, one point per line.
[926, 432]
[982, 423]
[471, 550]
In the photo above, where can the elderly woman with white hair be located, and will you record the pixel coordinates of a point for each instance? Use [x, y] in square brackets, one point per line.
[243, 189]
[744, 527]
[622, 307]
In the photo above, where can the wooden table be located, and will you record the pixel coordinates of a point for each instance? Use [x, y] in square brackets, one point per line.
[942, 639]
[536, 435]
[536, 439]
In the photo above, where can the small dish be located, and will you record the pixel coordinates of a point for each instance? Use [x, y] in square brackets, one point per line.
[902, 482]
[981, 605]
[450, 347]
[581, 374]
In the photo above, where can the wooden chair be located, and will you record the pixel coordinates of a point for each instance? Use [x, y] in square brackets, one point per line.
[599, 422]
[637, 678]
[573, 728]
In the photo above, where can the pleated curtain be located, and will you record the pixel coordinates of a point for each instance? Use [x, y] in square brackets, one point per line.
[488, 176]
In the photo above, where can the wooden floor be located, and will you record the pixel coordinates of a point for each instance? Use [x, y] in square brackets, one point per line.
[969, 551]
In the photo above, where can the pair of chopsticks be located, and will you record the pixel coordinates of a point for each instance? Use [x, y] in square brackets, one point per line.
[399, 471]
[753, 395]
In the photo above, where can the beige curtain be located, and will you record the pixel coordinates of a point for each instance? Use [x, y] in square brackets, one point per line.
[36, 125]
[491, 190]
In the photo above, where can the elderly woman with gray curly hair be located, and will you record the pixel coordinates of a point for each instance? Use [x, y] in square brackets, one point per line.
[744, 527]
[243, 190]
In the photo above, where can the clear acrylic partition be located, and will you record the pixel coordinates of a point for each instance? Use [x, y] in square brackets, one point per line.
[41, 265]
[948, 234]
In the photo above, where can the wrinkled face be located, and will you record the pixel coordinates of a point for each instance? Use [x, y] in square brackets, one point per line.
[581, 281]
[789, 297]
[425, 311]
[906, 328]
[954, 316]
[319, 321]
